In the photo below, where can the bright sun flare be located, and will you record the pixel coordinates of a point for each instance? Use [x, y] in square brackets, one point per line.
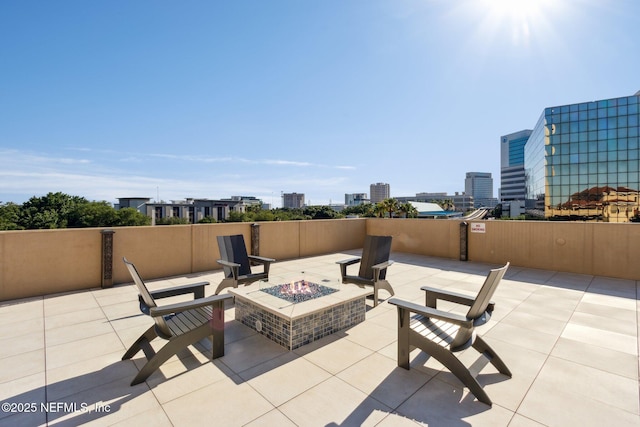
[518, 17]
[514, 8]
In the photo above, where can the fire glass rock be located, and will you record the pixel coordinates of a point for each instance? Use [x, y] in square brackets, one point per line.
[299, 291]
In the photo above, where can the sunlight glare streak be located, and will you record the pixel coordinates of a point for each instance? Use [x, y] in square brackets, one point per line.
[516, 16]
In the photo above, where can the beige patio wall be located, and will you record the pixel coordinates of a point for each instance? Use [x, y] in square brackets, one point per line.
[602, 249]
[39, 262]
[440, 238]
[46, 261]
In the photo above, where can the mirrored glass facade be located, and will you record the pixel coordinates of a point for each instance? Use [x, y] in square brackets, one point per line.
[582, 161]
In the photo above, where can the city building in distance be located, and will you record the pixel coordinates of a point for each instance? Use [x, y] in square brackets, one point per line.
[292, 200]
[462, 202]
[480, 186]
[356, 199]
[512, 185]
[582, 161]
[379, 192]
[193, 210]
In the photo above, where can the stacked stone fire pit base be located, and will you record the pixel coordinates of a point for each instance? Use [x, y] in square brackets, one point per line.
[294, 325]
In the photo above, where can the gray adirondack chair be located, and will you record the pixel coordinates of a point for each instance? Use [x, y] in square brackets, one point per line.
[440, 333]
[181, 324]
[236, 263]
[373, 266]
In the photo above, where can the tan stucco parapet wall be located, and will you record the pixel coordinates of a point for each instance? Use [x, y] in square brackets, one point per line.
[40, 262]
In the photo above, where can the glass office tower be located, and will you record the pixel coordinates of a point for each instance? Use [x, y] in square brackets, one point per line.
[480, 186]
[582, 161]
[512, 184]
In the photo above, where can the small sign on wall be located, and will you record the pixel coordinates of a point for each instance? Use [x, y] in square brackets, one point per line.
[478, 227]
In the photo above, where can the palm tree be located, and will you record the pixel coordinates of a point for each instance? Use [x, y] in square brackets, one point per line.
[379, 210]
[448, 205]
[408, 210]
[390, 205]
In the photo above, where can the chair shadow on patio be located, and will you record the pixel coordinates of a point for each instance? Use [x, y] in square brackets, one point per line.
[426, 397]
[78, 400]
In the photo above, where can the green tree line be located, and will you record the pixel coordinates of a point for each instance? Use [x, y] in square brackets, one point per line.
[386, 208]
[59, 210]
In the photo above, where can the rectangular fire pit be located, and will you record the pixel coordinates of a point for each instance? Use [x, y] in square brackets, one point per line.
[298, 312]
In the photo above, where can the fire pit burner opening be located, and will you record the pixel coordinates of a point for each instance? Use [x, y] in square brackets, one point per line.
[299, 291]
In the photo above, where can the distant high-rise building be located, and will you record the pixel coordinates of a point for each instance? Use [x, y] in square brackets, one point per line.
[479, 185]
[379, 192]
[512, 178]
[293, 200]
[355, 199]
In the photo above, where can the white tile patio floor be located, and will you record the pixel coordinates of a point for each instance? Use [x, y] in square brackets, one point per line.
[570, 340]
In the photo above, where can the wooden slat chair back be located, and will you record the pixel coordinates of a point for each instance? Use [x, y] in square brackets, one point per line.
[147, 302]
[376, 250]
[479, 310]
[373, 265]
[440, 333]
[236, 263]
[233, 249]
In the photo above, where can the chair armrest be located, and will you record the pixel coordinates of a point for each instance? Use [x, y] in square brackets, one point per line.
[434, 294]
[260, 259]
[196, 288]
[228, 263]
[234, 266]
[346, 262]
[187, 305]
[382, 265]
[432, 312]
[349, 261]
[379, 267]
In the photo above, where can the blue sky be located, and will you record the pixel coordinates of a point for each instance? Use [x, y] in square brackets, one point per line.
[210, 99]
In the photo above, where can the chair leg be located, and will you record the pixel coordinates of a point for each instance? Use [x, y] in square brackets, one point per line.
[142, 342]
[217, 328]
[384, 284]
[381, 284]
[226, 283]
[457, 368]
[173, 346]
[481, 346]
[375, 295]
[404, 347]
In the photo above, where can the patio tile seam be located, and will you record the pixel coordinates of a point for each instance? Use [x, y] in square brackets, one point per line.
[239, 373]
[75, 324]
[46, 370]
[637, 378]
[604, 402]
[537, 377]
[590, 399]
[277, 407]
[328, 371]
[546, 355]
[110, 321]
[564, 284]
[191, 391]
